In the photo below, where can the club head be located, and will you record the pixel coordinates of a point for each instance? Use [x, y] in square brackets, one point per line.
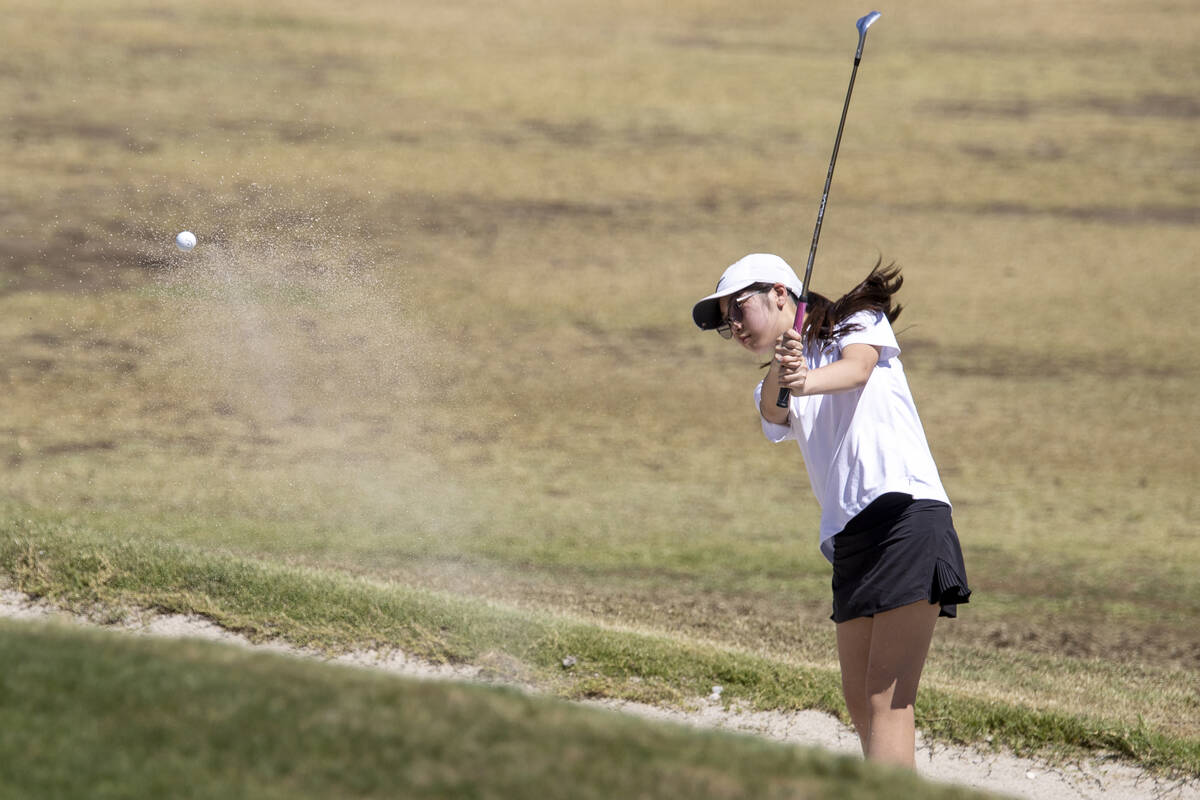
[866, 22]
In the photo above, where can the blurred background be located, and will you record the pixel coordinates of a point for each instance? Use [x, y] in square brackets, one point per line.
[437, 326]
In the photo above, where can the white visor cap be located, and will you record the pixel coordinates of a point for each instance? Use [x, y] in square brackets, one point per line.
[747, 271]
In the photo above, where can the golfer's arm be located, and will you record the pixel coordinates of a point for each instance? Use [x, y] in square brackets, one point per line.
[849, 372]
[770, 392]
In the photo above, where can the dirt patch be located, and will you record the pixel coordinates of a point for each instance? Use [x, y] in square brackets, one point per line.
[1160, 106]
[70, 448]
[1153, 215]
[1006, 363]
[1124, 215]
[580, 133]
[475, 216]
[700, 41]
[784, 623]
[64, 264]
[1151, 105]
[1148, 644]
[26, 127]
[1020, 109]
[301, 132]
[1041, 150]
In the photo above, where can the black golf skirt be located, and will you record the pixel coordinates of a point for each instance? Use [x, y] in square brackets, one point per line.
[898, 551]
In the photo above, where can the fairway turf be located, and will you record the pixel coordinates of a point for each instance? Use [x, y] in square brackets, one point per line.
[110, 716]
[436, 330]
[85, 570]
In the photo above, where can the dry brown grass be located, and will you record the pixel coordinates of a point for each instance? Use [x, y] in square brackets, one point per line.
[439, 312]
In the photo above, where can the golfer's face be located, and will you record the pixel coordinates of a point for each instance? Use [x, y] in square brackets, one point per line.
[748, 319]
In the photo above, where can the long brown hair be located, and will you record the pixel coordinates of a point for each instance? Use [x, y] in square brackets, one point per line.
[825, 320]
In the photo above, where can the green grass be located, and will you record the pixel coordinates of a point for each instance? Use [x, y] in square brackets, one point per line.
[102, 716]
[323, 610]
[436, 331]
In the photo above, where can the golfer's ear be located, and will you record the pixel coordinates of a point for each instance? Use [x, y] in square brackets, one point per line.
[780, 293]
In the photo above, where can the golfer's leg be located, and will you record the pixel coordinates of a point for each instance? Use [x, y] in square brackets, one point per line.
[854, 651]
[899, 643]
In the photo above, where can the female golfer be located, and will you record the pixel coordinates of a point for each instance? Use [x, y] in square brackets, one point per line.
[885, 518]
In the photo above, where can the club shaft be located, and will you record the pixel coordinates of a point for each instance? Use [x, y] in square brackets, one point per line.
[802, 303]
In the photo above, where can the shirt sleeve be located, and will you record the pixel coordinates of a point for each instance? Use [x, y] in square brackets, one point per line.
[772, 430]
[876, 330]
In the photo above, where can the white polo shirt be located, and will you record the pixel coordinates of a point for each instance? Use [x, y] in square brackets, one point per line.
[861, 444]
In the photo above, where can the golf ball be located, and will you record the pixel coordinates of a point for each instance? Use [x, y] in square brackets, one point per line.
[186, 240]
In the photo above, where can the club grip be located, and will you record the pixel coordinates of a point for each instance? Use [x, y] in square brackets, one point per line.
[801, 306]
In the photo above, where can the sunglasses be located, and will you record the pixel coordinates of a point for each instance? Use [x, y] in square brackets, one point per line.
[734, 312]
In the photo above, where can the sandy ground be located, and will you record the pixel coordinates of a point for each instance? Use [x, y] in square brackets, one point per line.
[996, 772]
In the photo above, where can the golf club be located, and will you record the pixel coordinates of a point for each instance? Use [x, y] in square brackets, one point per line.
[802, 302]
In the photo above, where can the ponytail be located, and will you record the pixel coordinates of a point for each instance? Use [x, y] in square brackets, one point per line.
[825, 320]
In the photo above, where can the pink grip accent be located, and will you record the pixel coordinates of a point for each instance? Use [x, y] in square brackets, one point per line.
[801, 306]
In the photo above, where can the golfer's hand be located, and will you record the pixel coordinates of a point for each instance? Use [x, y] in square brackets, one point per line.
[793, 369]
